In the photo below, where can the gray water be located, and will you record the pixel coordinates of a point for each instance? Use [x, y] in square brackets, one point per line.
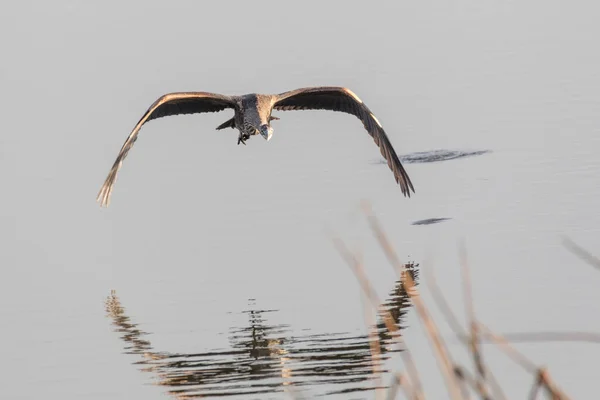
[219, 255]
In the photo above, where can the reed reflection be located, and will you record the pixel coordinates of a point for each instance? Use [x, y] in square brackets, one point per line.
[265, 358]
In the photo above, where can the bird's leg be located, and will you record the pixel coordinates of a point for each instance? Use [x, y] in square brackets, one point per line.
[242, 138]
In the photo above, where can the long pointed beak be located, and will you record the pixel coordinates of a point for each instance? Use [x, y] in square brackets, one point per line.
[266, 132]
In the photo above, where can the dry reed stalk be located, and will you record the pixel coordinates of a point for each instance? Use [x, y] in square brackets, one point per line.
[469, 381]
[442, 355]
[480, 380]
[543, 375]
[531, 337]
[540, 382]
[368, 289]
[464, 386]
[466, 380]
[400, 381]
[441, 302]
[581, 252]
[452, 320]
[374, 344]
[535, 388]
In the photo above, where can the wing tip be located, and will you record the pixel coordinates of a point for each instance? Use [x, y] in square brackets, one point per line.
[405, 183]
[406, 192]
[103, 198]
[105, 192]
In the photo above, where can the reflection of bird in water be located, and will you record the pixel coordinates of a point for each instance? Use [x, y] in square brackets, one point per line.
[252, 116]
[397, 303]
[264, 359]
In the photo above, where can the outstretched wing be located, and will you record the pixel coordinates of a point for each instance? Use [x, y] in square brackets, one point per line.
[169, 104]
[344, 100]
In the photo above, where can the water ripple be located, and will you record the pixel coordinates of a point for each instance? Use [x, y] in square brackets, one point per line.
[267, 359]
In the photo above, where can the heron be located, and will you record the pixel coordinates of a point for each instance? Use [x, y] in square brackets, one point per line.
[252, 117]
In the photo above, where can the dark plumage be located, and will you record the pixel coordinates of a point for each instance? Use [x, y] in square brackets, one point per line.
[252, 116]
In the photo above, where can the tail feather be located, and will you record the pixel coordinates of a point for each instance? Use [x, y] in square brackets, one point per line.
[230, 123]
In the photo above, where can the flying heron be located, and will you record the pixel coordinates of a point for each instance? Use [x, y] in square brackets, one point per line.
[252, 116]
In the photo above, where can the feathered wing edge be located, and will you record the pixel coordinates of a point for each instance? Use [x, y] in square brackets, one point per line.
[106, 190]
[333, 98]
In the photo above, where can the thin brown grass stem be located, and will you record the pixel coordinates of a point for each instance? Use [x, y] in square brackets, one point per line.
[537, 384]
[400, 381]
[544, 381]
[442, 355]
[388, 249]
[371, 294]
[442, 303]
[472, 383]
[464, 385]
[374, 344]
[532, 337]
[528, 365]
[481, 378]
[509, 350]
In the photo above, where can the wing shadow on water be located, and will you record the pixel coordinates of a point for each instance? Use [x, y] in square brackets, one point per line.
[435, 156]
[430, 221]
[431, 157]
[265, 359]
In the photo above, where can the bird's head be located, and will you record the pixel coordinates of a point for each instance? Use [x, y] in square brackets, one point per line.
[266, 131]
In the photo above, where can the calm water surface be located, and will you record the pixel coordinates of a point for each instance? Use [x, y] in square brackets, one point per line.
[225, 279]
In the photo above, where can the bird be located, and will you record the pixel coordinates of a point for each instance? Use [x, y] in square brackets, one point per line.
[252, 117]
